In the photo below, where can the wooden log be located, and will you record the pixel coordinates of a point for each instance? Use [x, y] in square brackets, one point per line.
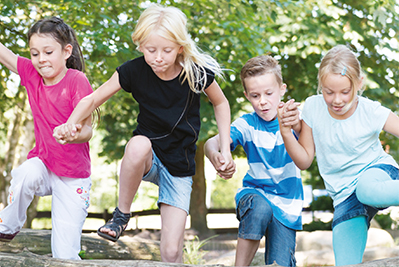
[32, 248]
[29, 259]
[93, 246]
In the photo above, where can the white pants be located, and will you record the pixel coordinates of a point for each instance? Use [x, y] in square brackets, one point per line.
[70, 200]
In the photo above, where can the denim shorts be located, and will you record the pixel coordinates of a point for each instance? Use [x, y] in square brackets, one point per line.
[352, 207]
[257, 220]
[174, 191]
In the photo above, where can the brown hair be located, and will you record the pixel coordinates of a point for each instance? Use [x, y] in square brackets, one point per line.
[64, 35]
[260, 65]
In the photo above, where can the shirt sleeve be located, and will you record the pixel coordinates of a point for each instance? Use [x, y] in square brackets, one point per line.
[237, 129]
[125, 72]
[81, 88]
[26, 70]
[378, 114]
[306, 113]
[210, 77]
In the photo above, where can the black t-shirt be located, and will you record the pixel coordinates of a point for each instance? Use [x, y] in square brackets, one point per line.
[168, 114]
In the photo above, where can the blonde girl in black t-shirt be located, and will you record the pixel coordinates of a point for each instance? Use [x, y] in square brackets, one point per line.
[165, 82]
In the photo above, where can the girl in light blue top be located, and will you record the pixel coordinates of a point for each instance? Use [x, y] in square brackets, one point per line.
[342, 128]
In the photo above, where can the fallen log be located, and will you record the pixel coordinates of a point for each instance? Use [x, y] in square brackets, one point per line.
[93, 247]
[29, 259]
[32, 248]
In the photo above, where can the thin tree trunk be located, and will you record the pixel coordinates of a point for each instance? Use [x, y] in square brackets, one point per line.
[20, 140]
[198, 209]
[11, 151]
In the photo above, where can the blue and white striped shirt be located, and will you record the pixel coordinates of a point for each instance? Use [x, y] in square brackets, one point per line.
[272, 173]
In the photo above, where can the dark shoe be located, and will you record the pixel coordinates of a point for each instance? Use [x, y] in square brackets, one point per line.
[7, 237]
[118, 224]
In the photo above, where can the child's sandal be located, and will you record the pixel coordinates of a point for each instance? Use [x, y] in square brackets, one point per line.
[7, 237]
[118, 224]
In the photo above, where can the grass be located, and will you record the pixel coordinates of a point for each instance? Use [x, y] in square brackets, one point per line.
[193, 254]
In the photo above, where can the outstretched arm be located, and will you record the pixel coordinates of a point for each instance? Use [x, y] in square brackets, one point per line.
[212, 152]
[82, 112]
[8, 59]
[301, 151]
[222, 114]
[74, 133]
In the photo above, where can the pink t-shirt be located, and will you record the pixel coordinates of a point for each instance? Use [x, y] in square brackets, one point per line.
[51, 107]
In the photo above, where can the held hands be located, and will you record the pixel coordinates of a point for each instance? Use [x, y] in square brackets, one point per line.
[223, 164]
[67, 133]
[288, 114]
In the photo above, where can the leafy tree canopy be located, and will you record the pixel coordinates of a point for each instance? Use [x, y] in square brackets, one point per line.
[298, 33]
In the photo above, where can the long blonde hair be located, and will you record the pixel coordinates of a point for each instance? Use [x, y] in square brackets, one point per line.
[170, 22]
[341, 60]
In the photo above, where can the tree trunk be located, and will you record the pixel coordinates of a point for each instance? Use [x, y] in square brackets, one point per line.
[198, 209]
[20, 140]
[11, 150]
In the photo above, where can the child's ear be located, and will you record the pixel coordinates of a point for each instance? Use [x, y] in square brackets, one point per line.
[181, 50]
[245, 93]
[68, 51]
[361, 83]
[283, 89]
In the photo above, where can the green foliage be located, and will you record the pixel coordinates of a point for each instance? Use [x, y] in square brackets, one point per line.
[384, 220]
[323, 203]
[193, 254]
[298, 33]
[318, 226]
[312, 177]
[224, 191]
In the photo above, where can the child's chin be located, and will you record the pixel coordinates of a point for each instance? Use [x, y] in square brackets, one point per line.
[267, 117]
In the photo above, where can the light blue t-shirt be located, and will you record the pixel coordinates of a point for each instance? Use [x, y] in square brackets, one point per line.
[272, 173]
[346, 148]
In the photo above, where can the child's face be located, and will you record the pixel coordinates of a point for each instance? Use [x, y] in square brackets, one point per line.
[264, 93]
[338, 95]
[48, 57]
[160, 54]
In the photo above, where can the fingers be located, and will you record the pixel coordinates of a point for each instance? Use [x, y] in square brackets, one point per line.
[289, 113]
[228, 168]
[66, 133]
[228, 172]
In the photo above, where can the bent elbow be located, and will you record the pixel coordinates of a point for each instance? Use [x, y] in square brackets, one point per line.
[303, 165]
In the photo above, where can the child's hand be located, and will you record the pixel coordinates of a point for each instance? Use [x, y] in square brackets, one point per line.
[228, 167]
[67, 133]
[224, 165]
[288, 114]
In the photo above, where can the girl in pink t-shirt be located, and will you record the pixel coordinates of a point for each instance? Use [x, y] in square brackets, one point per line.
[55, 83]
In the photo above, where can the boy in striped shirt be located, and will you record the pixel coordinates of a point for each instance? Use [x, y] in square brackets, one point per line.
[270, 202]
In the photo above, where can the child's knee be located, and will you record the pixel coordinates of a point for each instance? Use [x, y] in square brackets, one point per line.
[30, 174]
[255, 211]
[138, 147]
[370, 185]
[363, 191]
[171, 253]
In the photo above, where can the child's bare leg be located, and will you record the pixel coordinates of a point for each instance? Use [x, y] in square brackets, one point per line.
[172, 233]
[136, 162]
[245, 252]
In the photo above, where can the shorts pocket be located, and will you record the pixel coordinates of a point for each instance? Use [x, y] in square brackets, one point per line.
[244, 205]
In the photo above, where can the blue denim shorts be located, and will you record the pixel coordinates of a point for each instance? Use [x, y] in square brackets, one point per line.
[257, 220]
[352, 207]
[174, 191]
